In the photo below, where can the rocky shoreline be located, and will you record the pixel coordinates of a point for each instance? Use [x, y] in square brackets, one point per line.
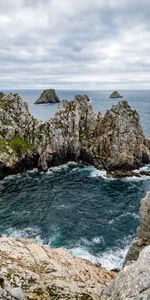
[31, 271]
[114, 142]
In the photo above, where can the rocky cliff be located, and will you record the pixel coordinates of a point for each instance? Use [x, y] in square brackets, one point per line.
[30, 271]
[133, 281]
[113, 142]
[143, 232]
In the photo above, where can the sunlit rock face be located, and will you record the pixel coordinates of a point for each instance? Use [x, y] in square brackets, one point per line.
[31, 271]
[113, 142]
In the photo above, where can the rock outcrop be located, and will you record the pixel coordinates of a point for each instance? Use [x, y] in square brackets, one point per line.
[31, 271]
[115, 94]
[113, 142]
[143, 232]
[133, 281]
[48, 96]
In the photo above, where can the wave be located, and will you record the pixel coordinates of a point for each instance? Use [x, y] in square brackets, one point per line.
[27, 233]
[132, 215]
[110, 259]
[62, 167]
[98, 173]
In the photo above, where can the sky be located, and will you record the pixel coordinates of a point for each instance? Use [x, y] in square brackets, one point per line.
[75, 44]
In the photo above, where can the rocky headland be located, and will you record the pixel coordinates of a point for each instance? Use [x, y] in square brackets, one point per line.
[114, 142]
[115, 94]
[48, 96]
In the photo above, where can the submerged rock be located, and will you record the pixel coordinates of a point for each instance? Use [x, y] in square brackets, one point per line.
[113, 142]
[48, 96]
[31, 271]
[115, 94]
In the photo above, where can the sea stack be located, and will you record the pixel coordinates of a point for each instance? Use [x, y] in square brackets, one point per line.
[115, 94]
[48, 96]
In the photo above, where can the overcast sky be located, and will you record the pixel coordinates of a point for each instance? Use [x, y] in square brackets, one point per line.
[75, 44]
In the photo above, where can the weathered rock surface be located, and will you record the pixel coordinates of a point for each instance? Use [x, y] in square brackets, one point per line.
[143, 232]
[48, 96]
[133, 282]
[115, 94]
[113, 142]
[30, 271]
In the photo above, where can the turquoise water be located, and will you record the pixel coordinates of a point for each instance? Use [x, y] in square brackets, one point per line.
[74, 206]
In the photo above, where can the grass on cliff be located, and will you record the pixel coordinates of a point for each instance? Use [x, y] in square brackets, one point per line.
[17, 144]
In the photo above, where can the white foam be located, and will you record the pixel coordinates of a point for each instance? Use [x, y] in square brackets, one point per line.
[113, 258]
[83, 253]
[28, 232]
[98, 173]
[61, 167]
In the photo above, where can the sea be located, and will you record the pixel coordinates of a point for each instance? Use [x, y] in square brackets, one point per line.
[75, 206]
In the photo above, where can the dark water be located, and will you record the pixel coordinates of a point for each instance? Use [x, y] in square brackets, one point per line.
[74, 207]
[139, 100]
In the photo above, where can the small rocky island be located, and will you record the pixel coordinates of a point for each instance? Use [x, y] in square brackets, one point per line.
[48, 96]
[115, 94]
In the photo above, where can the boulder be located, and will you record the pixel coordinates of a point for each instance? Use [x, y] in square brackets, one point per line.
[48, 96]
[115, 94]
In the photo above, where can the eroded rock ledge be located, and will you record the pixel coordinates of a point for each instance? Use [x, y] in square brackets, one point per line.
[113, 142]
[30, 271]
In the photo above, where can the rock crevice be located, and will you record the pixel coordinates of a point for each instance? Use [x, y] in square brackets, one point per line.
[113, 142]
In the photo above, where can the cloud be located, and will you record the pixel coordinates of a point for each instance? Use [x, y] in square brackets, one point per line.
[75, 44]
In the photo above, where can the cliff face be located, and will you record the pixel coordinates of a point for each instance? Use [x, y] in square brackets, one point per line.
[30, 271]
[133, 281]
[115, 141]
[143, 232]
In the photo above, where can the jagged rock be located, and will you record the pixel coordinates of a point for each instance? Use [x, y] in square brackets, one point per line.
[31, 271]
[113, 142]
[80, 98]
[143, 232]
[48, 96]
[133, 282]
[115, 94]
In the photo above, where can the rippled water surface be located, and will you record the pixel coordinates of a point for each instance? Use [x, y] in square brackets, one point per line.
[74, 207]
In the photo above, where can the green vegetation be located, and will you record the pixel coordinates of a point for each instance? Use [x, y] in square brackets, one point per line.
[4, 104]
[115, 94]
[84, 133]
[17, 144]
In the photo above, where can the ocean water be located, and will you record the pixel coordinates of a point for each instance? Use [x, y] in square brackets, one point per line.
[75, 206]
[139, 100]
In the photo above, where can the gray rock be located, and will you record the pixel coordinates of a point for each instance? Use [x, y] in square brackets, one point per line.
[133, 282]
[113, 142]
[48, 96]
[143, 232]
[115, 94]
